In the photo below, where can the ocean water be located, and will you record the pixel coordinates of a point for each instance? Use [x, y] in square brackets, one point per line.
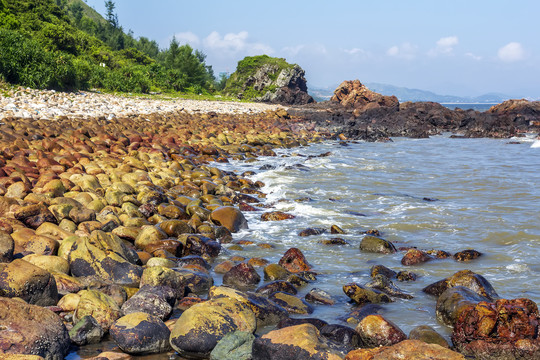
[483, 194]
[466, 106]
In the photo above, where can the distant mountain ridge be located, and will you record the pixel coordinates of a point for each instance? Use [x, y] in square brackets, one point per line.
[406, 94]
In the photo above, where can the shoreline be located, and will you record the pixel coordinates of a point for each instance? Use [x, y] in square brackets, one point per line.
[118, 213]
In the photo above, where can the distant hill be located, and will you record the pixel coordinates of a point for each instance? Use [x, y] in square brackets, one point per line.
[407, 94]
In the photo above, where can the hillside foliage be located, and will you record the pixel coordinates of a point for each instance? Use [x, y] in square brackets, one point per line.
[66, 45]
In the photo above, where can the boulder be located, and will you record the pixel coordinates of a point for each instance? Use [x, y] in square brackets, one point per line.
[300, 342]
[105, 255]
[428, 335]
[503, 330]
[274, 286]
[318, 296]
[50, 263]
[6, 247]
[453, 301]
[274, 272]
[342, 338]
[276, 216]
[162, 276]
[98, 305]
[32, 330]
[157, 301]
[28, 282]
[384, 284]
[242, 277]
[375, 244]
[141, 333]
[407, 349]
[266, 311]
[375, 330]
[236, 345]
[291, 303]
[465, 278]
[86, 331]
[415, 257]
[229, 217]
[362, 295]
[199, 328]
[294, 261]
[355, 95]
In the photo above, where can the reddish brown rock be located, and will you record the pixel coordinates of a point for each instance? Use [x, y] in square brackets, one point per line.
[242, 277]
[408, 350]
[294, 261]
[467, 255]
[356, 95]
[276, 216]
[414, 257]
[506, 329]
[375, 330]
[230, 217]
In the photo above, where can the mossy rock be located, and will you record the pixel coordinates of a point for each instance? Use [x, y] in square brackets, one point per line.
[140, 333]
[200, 327]
[98, 305]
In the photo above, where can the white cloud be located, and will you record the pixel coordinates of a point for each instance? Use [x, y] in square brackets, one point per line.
[314, 49]
[403, 51]
[473, 56]
[187, 38]
[511, 52]
[444, 46]
[357, 52]
[232, 43]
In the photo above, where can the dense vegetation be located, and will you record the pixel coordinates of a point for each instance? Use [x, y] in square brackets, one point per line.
[66, 45]
[242, 81]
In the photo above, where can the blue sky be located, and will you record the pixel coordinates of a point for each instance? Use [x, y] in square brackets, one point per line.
[452, 47]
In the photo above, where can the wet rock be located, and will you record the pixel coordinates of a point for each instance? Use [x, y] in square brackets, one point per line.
[301, 342]
[258, 262]
[69, 302]
[154, 300]
[86, 331]
[383, 270]
[312, 232]
[98, 305]
[53, 264]
[377, 245]
[196, 282]
[467, 255]
[428, 335]
[439, 254]
[266, 311]
[34, 215]
[149, 235]
[193, 260]
[174, 228]
[384, 284]
[453, 301]
[406, 276]
[141, 333]
[229, 217]
[334, 229]
[275, 272]
[114, 291]
[66, 284]
[294, 261]
[161, 276]
[407, 349]
[28, 282]
[375, 330]
[234, 346]
[318, 296]
[318, 323]
[342, 338]
[334, 241]
[6, 247]
[291, 303]
[274, 286]
[465, 278]
[362, 295]
[505, 329]
[199, 328]
[200, 245]
[414, 257]
[276, 216]
[242, 277]
[32, 330]
[223, 267]
[105, 255]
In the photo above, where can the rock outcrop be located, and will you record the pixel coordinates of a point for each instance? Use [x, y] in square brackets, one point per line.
[271, 80]
[356, 95]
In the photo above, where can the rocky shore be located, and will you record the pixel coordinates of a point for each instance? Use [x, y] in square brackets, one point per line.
[112, 216]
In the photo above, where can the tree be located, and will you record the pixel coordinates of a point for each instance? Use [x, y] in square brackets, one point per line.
[77, 11]
[112, 17]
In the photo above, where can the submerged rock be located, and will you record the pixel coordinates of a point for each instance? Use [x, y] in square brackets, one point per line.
[362, 295]
[465, 278]
[377, 245]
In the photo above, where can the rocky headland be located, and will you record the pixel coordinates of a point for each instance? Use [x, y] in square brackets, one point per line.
[113, 211]
[359, 113]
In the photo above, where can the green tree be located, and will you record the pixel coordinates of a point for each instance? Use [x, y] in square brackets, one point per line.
[112, 17]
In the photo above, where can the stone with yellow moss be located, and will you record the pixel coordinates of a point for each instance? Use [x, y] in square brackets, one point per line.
[100, 306]
[200, 327]
[141, 333]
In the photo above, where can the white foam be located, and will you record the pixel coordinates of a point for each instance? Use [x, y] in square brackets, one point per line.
[518, 267]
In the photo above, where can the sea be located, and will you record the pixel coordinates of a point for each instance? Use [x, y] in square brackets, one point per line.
[469, 106]
[438, 193]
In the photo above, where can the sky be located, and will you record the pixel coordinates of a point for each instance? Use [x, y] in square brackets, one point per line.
[464, 48]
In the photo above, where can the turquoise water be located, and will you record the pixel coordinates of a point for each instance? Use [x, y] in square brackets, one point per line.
[473, 106]
[486, 196]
